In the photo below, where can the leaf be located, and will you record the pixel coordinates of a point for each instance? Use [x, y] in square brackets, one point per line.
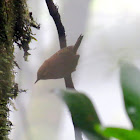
[119, 133]
[130, 82]
[83, 113]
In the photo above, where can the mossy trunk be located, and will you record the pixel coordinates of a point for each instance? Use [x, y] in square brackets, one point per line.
[15, 26]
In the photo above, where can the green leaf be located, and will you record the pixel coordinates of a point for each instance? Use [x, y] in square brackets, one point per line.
[119, 133]
[130, 82]
[83, 113]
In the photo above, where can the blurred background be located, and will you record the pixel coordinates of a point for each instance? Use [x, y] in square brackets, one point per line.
[111, 35]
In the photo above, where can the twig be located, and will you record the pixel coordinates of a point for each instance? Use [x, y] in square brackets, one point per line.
[69, 82]
[53, 10]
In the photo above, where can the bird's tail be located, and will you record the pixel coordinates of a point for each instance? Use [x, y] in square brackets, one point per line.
[77, 44]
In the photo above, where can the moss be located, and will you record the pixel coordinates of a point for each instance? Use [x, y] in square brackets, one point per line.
[15, 27]
[24, 22]
[6, 66]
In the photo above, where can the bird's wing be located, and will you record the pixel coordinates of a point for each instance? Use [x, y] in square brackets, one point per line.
[63, 63]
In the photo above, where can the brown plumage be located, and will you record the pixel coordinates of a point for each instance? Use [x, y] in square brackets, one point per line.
[61, 64]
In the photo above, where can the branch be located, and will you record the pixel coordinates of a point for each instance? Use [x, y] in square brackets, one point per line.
[53, 10]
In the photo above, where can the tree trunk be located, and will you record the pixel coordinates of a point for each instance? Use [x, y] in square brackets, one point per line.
[15, 23]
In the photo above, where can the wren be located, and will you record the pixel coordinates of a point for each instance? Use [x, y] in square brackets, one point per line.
[61, 64]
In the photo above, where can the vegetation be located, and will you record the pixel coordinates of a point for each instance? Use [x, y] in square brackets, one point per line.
[15, 27]
[85, 117]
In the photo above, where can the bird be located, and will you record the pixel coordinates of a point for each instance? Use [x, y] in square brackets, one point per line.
[61, 64]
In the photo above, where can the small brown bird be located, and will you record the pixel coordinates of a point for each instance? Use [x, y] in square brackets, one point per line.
[61, 64]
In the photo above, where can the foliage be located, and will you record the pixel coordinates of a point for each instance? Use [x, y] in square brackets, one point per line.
[81, 107]
[119, 133]
[84, 115]
[130, 80]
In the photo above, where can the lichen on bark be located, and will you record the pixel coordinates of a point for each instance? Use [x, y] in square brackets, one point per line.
[15, 27]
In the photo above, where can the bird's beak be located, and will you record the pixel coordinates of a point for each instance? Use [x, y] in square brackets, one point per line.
[36, 81]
